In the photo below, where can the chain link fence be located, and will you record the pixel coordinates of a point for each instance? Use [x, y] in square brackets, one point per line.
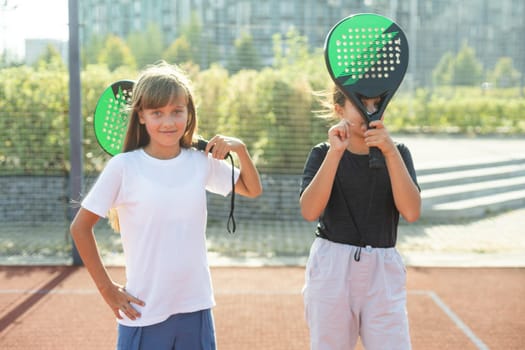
[34, 132]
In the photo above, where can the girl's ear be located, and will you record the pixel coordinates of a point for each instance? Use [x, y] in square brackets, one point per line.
[141, 118]
[339, 110]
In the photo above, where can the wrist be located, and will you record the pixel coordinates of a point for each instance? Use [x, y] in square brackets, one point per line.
[335, 153]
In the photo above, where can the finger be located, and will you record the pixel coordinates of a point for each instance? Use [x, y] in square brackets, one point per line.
[131, 298]
[130, 311]
[211, 144]
[378, 124]
[217, 151]
[137, 301]
[117, 313]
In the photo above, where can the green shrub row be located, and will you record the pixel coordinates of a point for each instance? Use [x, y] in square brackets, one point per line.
[272, 110]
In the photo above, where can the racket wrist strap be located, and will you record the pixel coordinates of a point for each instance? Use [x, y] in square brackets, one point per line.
[377, 160]
[231, 226]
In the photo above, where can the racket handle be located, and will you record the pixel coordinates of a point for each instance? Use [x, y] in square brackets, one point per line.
[201, 146]
[376, 160]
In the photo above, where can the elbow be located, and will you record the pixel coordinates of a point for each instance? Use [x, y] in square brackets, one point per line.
[309, 218]
[411, 216]
[257, 191]
[411, 210]
[307, 211]
[254, 193]
[308, 215]
[73, 229]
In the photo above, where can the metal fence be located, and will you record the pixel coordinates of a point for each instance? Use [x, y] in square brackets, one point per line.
[35, 202]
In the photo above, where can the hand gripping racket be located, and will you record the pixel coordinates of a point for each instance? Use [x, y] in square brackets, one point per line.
[367, 56]
[111, 123]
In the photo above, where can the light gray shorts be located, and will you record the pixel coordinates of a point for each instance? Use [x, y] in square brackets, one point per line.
[346, 299]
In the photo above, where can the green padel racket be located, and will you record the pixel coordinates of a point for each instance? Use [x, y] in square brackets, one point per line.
[111, 116]
[367, 56]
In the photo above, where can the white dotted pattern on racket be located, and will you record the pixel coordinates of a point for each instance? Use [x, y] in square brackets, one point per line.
[116, 120]
[368, 53]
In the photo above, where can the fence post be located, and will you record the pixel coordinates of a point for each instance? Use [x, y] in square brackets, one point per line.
[75, 119]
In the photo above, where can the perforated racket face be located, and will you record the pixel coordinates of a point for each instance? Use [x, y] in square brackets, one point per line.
[111, 116]
[367, 54]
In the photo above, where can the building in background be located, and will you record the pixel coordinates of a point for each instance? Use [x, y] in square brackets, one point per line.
[433, 27]
[35, 48]
[223, 20]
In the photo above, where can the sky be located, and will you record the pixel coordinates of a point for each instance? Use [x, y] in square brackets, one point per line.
[32, 19]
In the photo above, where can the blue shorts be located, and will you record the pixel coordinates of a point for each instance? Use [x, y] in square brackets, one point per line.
[187, 331]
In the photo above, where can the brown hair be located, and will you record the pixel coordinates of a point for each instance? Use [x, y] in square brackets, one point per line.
[328, 101]
[157, 86]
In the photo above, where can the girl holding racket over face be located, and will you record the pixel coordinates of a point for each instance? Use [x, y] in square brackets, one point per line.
[157, 190]
[355, 278]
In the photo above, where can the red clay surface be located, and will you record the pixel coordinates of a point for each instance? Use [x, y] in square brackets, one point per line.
[262, 308]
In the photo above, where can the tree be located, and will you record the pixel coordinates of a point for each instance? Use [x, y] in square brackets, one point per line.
[179, 51]
[467, 69]
[463, 69]
[504, 74]
[116, 53]
[245, 54]
[203, 50]
[50, 59]
[91, 51]
[147, 47]
[442, 74]
[293, 51]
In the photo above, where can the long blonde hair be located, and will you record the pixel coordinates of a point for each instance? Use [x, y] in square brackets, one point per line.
[329, 99]
[157, 86]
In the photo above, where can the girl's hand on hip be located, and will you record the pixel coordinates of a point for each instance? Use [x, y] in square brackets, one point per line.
[119, 300]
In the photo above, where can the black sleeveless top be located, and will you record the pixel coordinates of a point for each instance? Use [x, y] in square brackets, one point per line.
[360, 210]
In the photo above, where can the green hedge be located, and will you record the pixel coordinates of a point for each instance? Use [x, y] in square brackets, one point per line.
[462, 110]
[270, 109]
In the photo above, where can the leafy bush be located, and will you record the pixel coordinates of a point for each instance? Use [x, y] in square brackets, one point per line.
[271, 110]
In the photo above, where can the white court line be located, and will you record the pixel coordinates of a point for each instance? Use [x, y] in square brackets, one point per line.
[435, 298]
[455, 318]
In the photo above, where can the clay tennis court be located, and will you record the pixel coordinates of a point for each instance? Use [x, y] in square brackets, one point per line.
[261, 308]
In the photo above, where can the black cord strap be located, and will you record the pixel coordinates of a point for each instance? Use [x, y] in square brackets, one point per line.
[231, 219]
[201, 144]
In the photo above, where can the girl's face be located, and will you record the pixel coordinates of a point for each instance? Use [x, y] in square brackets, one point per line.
[352, 114]
[165, 127]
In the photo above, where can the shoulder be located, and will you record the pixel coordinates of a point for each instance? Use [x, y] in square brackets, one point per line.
[118, 161]
[316, 156]
[402, 148]
[320, 149]
[324, 146]
[400, 145]
[122, 159]
[194, 155]
[406, 155]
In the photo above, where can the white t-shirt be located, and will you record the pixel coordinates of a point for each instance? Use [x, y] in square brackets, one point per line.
[162, 212]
